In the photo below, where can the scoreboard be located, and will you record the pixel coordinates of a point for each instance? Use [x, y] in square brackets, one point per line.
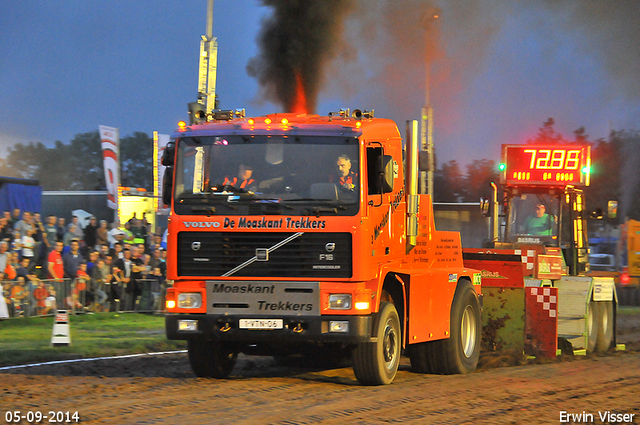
[555, 165]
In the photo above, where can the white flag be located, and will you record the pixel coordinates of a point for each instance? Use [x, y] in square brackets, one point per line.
[163, 140]
[110, 139]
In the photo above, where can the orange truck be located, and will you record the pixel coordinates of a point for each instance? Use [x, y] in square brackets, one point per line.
[305, 235]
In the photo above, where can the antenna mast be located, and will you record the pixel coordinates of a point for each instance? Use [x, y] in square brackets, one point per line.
[208, 64]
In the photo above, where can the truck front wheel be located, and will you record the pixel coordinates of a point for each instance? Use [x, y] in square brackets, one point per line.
[376, 363]
[211, 359]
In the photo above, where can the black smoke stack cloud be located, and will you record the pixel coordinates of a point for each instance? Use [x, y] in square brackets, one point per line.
[295, 43]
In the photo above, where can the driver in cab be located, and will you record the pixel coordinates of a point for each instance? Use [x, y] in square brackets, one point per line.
[540, 223]
[243, 180]
[348, 178]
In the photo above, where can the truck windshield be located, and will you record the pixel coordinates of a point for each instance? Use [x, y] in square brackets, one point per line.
[295, 175]
[533, 218]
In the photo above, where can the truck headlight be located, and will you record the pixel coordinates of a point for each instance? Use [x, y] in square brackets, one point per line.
[190, 300]
[188, 325]
[340, 302]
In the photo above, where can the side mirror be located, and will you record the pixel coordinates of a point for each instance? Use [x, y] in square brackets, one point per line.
[169, 154]
[485, 207]
[389, 172]
[597, 214]
[612, 209]
[167, 185]
[423, 161]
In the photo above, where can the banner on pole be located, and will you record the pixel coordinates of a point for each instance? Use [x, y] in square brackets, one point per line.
[110, 139]
[162, 140]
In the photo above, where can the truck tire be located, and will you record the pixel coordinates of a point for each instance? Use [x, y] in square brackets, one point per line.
[211, 359]
[462, 348]
[426, 357]
[605, 326]
[376, 363]
[592, 326]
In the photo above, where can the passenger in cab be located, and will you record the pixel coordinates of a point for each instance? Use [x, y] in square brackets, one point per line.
[243, 180]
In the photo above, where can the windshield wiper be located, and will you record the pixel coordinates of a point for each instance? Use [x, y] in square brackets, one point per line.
[327, 206]
[203, 202]
[209, 209]
[327, 202]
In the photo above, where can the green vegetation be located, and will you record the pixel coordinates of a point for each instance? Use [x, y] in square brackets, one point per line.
[92, 335]
[628, 311]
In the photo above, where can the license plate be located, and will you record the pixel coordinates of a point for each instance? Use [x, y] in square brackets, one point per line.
[261, 324]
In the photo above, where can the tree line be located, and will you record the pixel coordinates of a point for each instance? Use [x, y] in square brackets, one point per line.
[79, 164]
[615, 171]
[615, 168]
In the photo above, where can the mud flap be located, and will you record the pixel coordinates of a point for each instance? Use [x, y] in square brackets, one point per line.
[503, 319]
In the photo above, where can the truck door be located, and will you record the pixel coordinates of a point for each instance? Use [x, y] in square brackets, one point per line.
[575, 245]
[382, 207]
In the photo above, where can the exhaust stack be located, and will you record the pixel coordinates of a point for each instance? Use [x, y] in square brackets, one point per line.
[412, 183]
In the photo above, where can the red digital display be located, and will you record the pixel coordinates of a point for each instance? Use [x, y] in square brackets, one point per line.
[545, 165]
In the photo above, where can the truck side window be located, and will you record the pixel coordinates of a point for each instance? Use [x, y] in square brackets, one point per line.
[374, 156]
[381, 170]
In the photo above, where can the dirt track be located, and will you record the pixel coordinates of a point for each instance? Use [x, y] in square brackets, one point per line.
[162, 390]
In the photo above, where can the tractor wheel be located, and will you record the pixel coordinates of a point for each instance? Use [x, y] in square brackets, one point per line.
[605, 326]
[376, 363]
[462, 349]
[593, 325]
[211, 359]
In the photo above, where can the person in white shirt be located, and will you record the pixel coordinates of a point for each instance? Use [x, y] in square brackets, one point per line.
[3, 256]
[28, 243]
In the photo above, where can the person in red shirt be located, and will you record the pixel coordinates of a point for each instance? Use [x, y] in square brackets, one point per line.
[56, 269]
[40, 293]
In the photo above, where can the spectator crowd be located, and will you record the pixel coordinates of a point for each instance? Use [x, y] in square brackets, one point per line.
[49, 266]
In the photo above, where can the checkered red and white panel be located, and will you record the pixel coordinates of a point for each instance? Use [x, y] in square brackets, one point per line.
[549, 302]
[528, 257]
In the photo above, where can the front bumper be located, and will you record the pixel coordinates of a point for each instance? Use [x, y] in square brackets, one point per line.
[298, 329]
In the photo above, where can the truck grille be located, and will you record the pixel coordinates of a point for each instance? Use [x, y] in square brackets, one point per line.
[305, 255]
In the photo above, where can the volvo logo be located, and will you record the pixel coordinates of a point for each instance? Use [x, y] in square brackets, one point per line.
[330, 247]
[262, 254]
[196, 246]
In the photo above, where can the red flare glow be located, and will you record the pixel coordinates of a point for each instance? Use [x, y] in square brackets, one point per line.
[299, 104]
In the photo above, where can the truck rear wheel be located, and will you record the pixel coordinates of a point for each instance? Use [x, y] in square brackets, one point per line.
[462, 349]
[605, 326]
[426, 356]
[593, 323]
[376, 363]
[211, 359]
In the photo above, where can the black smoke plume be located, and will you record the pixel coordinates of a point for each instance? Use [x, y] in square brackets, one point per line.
[296, 42]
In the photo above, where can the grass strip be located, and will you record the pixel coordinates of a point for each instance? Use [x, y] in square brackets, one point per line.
[92, 335]
[628, 311]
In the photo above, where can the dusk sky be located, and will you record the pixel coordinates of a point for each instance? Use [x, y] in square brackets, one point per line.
[499, 68]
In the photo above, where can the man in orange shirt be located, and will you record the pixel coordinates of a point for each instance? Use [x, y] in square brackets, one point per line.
[243, 180]
[10, 270]
[56, 269]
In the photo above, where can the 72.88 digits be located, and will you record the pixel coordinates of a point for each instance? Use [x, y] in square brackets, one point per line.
[554, 159]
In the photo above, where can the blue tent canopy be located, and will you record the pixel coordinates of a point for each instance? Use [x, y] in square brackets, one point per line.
[25, 194]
